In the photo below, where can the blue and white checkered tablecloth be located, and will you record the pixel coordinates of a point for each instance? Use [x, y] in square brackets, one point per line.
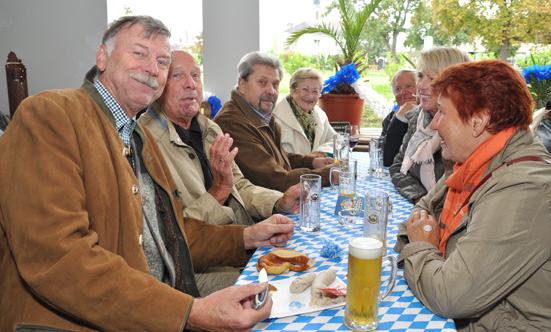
[400, 311]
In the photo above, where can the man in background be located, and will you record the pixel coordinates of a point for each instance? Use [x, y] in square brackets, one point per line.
[395, 125]
[247, 117]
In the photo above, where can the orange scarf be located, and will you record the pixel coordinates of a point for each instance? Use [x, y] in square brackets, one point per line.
[464, 179]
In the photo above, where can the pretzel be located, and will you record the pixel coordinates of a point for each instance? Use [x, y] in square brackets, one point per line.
[282, 260]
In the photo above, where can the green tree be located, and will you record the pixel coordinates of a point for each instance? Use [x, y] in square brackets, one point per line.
[422, 24]
[390, 19]
[499, 23]
[384, 26]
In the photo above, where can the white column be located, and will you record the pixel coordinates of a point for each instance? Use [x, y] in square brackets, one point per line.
[230, 30]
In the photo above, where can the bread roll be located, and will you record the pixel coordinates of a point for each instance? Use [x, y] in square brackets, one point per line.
[282, 260]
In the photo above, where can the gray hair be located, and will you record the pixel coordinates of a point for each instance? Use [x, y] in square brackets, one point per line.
[401, 72]
[152, 27]
[246, 64]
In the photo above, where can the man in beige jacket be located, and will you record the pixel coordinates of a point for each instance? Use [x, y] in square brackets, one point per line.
[211, 185]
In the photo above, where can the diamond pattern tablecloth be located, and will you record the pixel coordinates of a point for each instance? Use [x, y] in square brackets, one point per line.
[400, 311]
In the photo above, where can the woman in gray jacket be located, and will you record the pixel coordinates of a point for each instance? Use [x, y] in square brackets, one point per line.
[418, 164]
[479, 249]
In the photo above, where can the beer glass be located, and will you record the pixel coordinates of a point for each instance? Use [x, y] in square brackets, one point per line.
[341, 149]
[310, 199]
[347, 177]
[365, 257]
[376, 215]
[375, 158]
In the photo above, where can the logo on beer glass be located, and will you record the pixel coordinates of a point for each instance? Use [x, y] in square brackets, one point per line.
[372, 218]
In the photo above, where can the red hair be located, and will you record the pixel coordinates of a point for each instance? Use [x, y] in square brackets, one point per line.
[487, 86]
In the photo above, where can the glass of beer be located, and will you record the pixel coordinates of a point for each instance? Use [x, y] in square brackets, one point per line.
[347, 177]
[341, 149]
[376, 215]
[365, 257]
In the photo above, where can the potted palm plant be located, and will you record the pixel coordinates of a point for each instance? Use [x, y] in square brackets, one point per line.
[342, 102]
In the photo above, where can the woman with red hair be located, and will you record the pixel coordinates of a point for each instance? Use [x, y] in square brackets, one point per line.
[479, 249]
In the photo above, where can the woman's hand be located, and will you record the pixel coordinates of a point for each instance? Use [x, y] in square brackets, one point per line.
[423, 227]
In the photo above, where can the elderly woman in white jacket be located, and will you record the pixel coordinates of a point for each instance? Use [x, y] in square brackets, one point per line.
[305, 128]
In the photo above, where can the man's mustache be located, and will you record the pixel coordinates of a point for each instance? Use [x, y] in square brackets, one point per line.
[150, 81]
[267, 98]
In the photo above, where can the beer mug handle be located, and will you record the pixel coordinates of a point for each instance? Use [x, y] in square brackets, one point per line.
[333, 169]
[392, 281]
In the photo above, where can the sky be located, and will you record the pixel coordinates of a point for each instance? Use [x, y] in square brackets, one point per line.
[183, 18]
[185, 21]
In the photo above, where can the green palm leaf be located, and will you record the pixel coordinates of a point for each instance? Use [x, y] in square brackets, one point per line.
[351, 32]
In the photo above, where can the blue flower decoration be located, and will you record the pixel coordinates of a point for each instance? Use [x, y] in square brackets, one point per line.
[541, 73]
[348, 74]
[539, 83]
[215, 105]
[331, 250]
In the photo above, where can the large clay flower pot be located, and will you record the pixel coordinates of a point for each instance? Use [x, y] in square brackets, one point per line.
[338, 108]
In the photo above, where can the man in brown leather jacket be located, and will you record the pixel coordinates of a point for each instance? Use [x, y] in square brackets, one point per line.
[92, 234]
[247, 117]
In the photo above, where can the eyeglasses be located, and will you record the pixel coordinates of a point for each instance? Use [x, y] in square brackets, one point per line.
[307, 91]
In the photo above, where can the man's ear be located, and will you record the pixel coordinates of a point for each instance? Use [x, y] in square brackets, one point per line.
[240, 82]
[101, 57]
[479, 122]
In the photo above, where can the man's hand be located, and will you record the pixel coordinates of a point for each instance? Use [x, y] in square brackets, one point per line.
[221, 167]
[230, 309]
[322, 162]
[406, 107]
[423, 227]
[274, 231]
[318, 154]
[290, 202]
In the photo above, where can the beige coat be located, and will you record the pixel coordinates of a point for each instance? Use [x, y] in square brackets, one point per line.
[497, 273]
[293, 138]
[245, 203]
[246, 200]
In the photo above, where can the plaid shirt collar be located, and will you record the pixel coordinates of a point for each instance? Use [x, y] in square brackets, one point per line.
[266, 117]
[123, 123]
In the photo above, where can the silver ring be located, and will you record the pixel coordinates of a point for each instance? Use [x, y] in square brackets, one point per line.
[427, 228]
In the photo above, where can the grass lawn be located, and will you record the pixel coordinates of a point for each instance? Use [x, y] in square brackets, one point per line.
[377, 79]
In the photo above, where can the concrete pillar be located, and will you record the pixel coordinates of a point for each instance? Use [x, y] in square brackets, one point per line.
[230, 30]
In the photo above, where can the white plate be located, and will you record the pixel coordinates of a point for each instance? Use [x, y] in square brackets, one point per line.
[301, 302]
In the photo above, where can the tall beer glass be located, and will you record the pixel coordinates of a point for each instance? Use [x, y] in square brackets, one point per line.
[376, 215]
[347, 177]
[365, 256]
[310, 199]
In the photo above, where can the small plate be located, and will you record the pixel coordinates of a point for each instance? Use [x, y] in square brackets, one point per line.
[287, 304]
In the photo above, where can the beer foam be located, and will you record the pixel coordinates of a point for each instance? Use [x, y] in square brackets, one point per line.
[366, 248]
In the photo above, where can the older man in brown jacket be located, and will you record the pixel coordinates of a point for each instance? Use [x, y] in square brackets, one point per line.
[92, 235]
[247, 117]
